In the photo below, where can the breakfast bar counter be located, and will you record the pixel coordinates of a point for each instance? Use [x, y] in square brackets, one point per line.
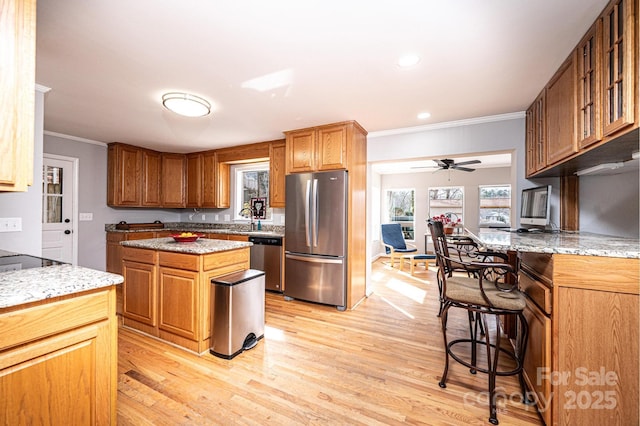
[583, 304]
[577, 243]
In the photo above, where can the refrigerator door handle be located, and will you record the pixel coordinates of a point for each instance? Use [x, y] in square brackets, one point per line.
[313, 259]
[307, 208]
[314, 232]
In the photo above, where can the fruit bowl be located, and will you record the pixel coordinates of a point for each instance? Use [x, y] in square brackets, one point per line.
[183, 238]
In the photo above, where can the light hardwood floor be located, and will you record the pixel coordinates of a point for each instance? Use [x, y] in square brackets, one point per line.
[378, 364]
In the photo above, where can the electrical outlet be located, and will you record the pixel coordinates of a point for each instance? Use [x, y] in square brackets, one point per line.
[227, 218]
[203, 216]
[217, 217]
[282, 220]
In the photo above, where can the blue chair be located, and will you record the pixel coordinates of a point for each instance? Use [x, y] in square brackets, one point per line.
[394, 242]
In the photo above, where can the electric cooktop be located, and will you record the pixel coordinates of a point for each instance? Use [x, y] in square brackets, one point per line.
[23, 261]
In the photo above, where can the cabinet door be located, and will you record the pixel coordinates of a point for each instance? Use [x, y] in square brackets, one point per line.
[173, 180]
[300, 151]
[63, 379]
[209, 179]
[124, 175]
[179, 311]
[535, 136]
[194, 180]
[332, 147]
[537, 360]
[277, 175]
[618, 65]
[17, 85]
[151, 172]
[560, 109]
[587, 59]
[139, 292]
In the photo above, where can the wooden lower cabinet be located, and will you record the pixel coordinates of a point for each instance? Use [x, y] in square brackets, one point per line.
[583, 346]
[58, 361]
[166, 294]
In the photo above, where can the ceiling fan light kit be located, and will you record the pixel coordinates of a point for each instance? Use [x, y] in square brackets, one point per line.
[186, 104]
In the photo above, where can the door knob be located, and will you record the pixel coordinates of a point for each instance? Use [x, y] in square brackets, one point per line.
[66, 231]
[67, 220]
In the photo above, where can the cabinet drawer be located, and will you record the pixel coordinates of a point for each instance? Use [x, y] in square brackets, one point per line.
[537, 291]
[189, 262]
[140, 235]
[139, 255]
[539, 265]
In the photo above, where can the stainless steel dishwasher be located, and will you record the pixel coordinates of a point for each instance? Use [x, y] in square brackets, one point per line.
[266, 255]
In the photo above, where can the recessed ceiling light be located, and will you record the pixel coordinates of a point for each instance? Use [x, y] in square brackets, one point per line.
[408, 60]
[186, 104]
[424, 115]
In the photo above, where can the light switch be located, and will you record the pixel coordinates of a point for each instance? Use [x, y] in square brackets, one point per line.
[227, 218]
[10, 224]
[86, 216]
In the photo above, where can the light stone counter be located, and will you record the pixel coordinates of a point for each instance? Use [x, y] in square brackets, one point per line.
[201, 246]
[37, 284]
[583, 244]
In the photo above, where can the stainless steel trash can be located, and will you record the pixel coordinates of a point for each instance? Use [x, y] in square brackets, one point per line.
[237, 312]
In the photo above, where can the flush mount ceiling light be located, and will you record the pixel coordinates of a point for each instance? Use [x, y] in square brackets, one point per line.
[186, 104]
[424, 115]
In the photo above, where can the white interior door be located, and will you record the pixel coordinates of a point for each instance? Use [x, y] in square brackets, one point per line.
[58, 219]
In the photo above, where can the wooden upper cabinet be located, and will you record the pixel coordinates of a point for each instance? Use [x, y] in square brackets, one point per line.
[209, 179]
[194, 180]
[124, 164]
[321, 148]
[17, 86]
[301, 151]
[332, 147]
[619, 60]
[536, 158]
[277, 172]
[173, 180]
[133, 176]
[151, 172]
[560, 114]
[588, 91]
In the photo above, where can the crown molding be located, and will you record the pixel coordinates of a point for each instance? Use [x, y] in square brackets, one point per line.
[74, 138]
[448, 124]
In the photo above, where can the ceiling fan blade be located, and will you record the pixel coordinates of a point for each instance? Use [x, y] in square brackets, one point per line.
[466, 163]
[464, 169]
[441, 163]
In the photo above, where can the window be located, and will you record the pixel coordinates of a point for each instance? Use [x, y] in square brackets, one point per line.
[251, 181]
[495, 206]
[448, 201]
[400, 204]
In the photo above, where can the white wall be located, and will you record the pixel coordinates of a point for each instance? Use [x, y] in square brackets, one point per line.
[27, 205]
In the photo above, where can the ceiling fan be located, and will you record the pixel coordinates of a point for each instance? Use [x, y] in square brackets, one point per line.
[449, 164]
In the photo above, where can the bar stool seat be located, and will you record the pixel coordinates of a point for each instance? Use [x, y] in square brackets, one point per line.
[414, 259]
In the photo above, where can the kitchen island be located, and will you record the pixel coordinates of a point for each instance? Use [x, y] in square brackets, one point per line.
[58, 345]
[166, 290]
[583, 303]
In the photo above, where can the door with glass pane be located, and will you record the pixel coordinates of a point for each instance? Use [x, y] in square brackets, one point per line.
[57, 209]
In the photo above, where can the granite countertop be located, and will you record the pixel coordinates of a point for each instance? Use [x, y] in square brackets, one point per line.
[236, 229]
[36, 284]
[201, 246]
[578, 243]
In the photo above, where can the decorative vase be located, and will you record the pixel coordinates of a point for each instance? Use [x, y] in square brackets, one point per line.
[448, 230]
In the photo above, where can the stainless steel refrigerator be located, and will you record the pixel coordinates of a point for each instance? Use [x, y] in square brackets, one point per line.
[316, 237]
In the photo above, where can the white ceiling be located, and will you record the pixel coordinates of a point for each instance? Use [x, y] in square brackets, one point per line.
[422, 165]
[108, 62]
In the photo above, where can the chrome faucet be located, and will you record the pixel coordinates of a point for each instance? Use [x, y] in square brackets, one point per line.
[251, 215]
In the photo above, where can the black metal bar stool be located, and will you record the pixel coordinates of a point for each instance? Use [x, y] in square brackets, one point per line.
[493, 291]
